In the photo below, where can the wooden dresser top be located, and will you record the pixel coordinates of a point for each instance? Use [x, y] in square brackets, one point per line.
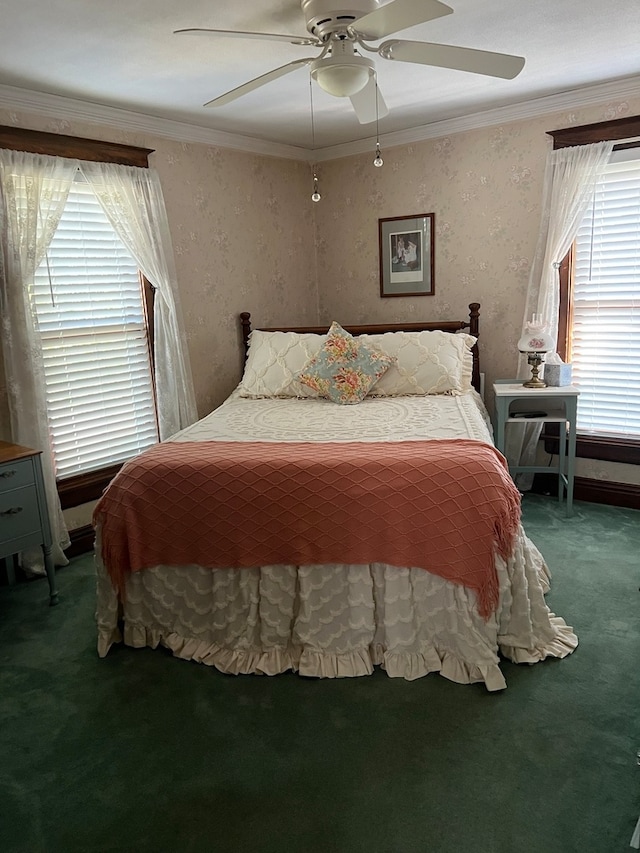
[10, 452]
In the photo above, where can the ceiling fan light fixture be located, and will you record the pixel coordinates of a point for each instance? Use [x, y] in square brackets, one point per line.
[342, 75]
[342, 34]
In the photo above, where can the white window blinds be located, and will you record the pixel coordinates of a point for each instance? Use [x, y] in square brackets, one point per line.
[605, 336]
[91, 317]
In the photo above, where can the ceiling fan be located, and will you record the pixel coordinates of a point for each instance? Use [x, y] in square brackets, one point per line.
[340, 34]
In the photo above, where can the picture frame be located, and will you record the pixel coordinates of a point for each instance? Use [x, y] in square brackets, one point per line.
[406, 246]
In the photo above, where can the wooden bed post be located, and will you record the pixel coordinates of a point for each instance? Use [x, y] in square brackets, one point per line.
[245, 320]
[474, 315]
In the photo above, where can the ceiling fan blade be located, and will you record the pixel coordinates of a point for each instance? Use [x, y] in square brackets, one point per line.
[257, 82]
[448, 56]
[303, 40]
[364, 103]
[398, 15]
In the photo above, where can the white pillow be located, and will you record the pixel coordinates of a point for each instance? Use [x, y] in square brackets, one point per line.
[273, 361]
[426, 363]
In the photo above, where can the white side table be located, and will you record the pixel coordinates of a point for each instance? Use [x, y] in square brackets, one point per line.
[24, 520]
[560, 406]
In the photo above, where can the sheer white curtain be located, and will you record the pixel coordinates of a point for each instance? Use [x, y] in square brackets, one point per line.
[132, 200]
[34, 191]
[569, 184]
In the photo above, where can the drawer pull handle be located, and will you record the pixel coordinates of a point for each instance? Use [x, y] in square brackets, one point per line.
[14, 510]
[8, 473]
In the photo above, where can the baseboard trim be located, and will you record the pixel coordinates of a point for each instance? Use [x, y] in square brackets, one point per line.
[82, 539]
[605, 492]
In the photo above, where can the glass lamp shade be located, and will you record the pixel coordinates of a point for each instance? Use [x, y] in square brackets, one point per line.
[342, 74]
[536, 341]
[535, 337]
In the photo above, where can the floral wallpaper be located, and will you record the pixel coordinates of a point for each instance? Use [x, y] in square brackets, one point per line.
[243, 238]
[247, 238]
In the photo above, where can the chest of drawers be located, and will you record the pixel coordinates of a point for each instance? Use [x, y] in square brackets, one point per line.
[24, 520]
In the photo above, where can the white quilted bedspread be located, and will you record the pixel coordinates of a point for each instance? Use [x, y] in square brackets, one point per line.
[338, 620]
[374, 419]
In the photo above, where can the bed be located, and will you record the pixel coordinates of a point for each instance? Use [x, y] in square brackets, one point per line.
[328, 521]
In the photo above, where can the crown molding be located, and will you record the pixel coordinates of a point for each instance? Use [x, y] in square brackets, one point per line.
[572, 99]
[57, 107]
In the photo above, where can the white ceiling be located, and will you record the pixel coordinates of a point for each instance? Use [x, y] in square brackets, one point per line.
[123, 54]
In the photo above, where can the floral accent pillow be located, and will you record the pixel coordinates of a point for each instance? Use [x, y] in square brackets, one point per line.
[344, 369]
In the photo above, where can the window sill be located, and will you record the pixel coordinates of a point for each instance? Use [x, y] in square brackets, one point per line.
[84, 488]
[606, 449]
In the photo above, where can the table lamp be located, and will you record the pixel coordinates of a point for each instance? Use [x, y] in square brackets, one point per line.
[535, 342]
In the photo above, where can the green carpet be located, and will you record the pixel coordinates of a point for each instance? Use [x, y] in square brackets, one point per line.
[143, 752]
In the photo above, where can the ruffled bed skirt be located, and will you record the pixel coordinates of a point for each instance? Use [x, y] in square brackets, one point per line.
[337, 620]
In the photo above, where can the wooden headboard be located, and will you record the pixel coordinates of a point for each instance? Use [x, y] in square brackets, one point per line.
[452, 326]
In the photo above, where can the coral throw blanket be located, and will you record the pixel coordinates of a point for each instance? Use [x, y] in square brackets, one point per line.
[447, 506]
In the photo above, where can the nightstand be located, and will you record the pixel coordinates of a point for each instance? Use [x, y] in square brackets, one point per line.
[24, 520]
[560, 406]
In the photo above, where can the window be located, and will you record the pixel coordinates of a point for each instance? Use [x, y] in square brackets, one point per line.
[77, 488]
[600, 302]
[604, 332]
[91, 314]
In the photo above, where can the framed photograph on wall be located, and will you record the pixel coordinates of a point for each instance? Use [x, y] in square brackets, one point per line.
[406, 255]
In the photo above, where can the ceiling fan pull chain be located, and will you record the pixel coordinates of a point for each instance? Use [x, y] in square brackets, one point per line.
[378, 162]
[315, 195]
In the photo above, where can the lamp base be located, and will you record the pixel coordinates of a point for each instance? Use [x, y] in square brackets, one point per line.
[535, 382]
[535, 360]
